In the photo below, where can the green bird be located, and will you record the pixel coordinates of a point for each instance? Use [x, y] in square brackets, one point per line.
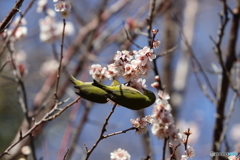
[89, 92]
[127, 96]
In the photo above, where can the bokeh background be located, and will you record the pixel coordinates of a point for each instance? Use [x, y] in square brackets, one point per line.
[95, 41]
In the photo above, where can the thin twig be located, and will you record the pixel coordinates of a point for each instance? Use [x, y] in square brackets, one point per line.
[226, 82]
[101, 135]
[174, 150]
[5, 63]
[60, 62]
[194, 58]
[164, 148]
[128, 37]
[65, 156]
[166, 52]
[227, 120]
[120, 132]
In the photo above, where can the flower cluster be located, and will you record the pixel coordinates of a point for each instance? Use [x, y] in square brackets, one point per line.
[128, 65]
[163, 125]
[120, 154]
[141, 123]
[50, 29]
[63, 7]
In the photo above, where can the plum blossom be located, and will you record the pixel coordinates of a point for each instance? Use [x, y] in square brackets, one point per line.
[111, 71]
[148, 53]
[156, 44]
[159, 130]
[120, 154]
[98, 72]
[190, 152]
[141, 123]
[163, 95]
[64, 8]
[138, 84]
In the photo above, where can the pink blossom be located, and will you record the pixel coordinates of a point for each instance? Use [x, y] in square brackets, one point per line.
[158, 129]
[156, 44]
[142, 58]
[163, 95]
[190, 152]
[160, 108]
[64, 7]
[98, 72]
[155, 85]
[120, 154]
[175, 136]
[141, 123]
[147, 52]
[112, 71]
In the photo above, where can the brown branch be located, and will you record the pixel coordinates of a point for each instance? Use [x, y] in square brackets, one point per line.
[228, 117]
[65, 156]
[60, 62]
[5, 63]
[8, 19]
[101, 136]
[164, 148]
[14, 30]
[120, 132]
[174, 150]
[230, 60]
[167, 52]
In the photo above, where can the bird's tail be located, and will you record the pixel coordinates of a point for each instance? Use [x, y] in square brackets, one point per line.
[75, 81]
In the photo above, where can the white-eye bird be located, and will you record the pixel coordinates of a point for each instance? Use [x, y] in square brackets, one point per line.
[127, 96]
[89, 92]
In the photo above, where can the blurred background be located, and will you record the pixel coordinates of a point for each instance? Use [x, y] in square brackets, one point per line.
[95, 31]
